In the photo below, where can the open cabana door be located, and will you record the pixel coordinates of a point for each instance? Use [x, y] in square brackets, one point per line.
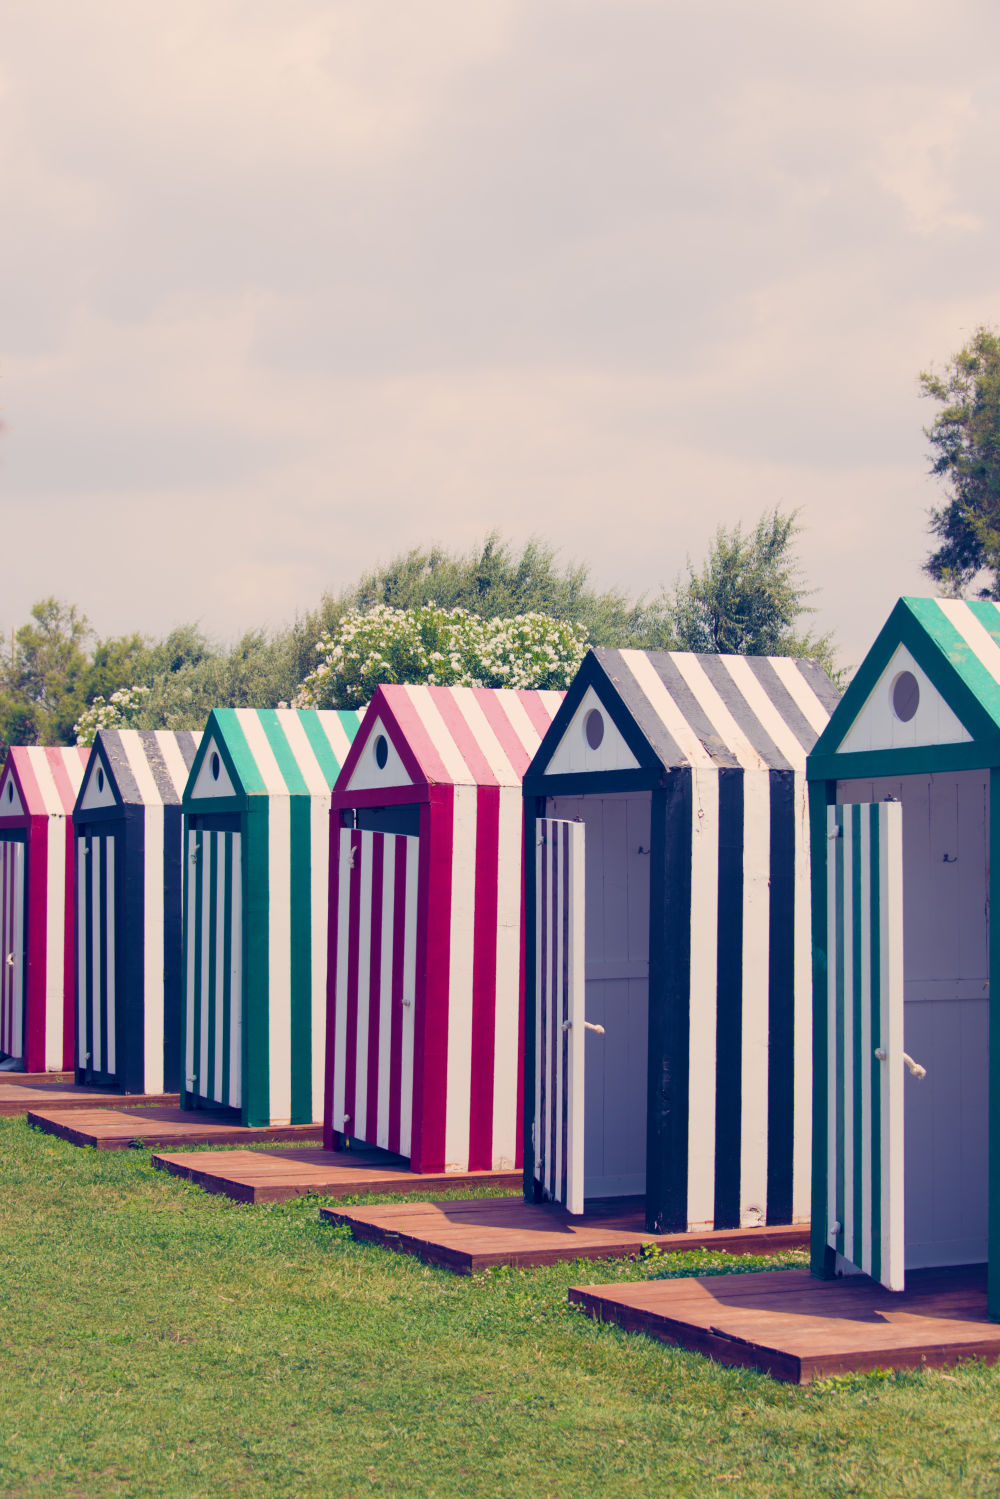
[561, 1025]
[864, 1041]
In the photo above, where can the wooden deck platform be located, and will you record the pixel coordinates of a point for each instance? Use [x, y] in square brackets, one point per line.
[117, 1129]
[21, 1092]
[798, 1329]
[470, 1236]
[277, 1175]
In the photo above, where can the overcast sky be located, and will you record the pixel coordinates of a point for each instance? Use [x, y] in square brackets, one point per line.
[289, 287]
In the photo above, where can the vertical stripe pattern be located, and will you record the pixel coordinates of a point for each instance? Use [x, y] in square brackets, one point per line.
[11, 948]
[560, 1034]
[374, 989]
[97, 989]
[214, 949]
[257, 907]
[461, 752]
[730, 1079]
[129, 801]
[865, 1038]
[37, 790]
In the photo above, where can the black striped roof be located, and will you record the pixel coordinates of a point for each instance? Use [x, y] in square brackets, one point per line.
[728, 711]
[149, 766]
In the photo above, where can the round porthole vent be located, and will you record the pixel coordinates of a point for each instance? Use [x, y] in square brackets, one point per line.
[905, 696]
[100, 780]
[216, 765]
[593, 727]
[381, 752]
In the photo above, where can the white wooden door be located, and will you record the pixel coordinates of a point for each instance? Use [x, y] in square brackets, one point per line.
[865, 1057]
[560, 1015]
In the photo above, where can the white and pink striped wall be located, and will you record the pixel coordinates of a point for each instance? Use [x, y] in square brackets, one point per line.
[425, 1021]
[38, 788]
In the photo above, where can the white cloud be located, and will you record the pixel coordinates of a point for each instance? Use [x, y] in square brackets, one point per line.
[293, 287]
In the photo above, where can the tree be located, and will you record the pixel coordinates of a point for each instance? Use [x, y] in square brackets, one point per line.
[42, 686]
[747, 599]
[493, 581]
[965, 440]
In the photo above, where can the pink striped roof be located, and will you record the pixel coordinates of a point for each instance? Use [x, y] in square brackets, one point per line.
[461, 736]
[48, 777]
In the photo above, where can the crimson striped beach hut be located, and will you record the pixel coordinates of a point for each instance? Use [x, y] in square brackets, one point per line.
[906, 892]
[37, 790]
[668, 1025]
[257, 831]
[425, 1034]
[128, 909]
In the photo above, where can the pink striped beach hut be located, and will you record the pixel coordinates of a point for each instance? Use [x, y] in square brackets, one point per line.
[425, 1036]
[38, 788]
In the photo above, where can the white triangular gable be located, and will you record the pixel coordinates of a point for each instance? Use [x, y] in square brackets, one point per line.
[213, 777]
[10, 798]
[97, 788]
[876, 726]
[368, 775]
[573, 754]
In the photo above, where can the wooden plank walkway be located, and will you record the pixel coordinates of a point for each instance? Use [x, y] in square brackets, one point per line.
[50, 1093]
[277, 1175]
[798, 1329]
[117, 1129]
[470, 1236]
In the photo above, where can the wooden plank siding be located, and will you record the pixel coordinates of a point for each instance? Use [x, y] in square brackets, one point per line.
[714, 748]
[425, 1038]
[37, 790]
[256, 902]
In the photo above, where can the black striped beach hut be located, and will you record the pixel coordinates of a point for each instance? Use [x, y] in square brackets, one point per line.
[906, 856]
[667, 962]
[257, 844]
[127, 826]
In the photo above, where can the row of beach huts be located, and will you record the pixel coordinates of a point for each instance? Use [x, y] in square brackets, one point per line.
[691, 931]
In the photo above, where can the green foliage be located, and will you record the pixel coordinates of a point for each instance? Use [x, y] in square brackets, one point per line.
[524, 619]
[965, 440]
[444, 647]
[492, 580]
[747, 598]
[43, 684]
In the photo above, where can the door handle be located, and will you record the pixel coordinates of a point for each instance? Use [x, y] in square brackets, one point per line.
[914, 1068]
[10, 960]
[588, 1025]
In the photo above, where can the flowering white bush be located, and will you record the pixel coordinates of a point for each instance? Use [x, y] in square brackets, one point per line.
[445, 647]
[119, 711]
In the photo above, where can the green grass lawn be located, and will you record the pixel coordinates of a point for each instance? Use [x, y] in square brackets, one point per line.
[158, 1341]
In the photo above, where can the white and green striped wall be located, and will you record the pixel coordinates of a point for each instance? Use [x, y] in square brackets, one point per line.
[256, 815]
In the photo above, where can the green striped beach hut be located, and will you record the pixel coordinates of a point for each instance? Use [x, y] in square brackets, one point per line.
[256, 879]
[906, 953]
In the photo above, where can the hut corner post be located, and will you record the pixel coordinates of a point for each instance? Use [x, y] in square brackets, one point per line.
[993, 1154]
[534, 808]
[667, 1109]
[822, 1259]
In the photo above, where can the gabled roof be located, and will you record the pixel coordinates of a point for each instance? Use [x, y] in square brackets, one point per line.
[951, 650]
[247, 752]
[666, 710]
[454, 736]
[137, 767]
[39, 781]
